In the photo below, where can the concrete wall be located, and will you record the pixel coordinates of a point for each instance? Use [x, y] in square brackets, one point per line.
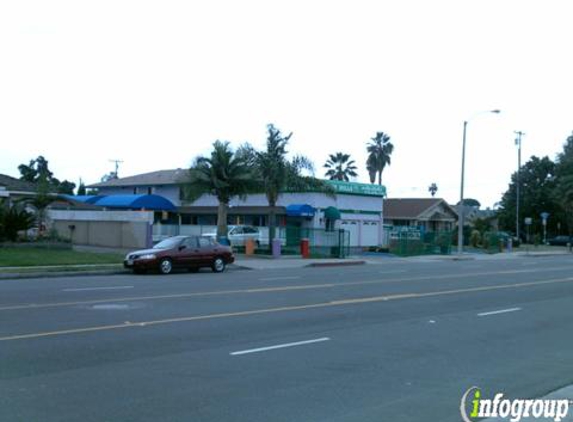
[113, 229]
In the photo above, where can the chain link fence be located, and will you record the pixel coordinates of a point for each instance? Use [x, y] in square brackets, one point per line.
[409, 241]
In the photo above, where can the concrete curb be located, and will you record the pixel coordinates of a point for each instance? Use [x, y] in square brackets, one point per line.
[71, 273]
[60, 274]
[334, 264]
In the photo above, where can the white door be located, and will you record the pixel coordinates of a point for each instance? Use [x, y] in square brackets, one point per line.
[370, 233]
[353, 227]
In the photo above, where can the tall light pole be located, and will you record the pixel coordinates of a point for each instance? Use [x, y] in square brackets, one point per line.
[518, 143]
[461, 205]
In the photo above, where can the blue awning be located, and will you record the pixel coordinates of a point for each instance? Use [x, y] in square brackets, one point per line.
[300, 210]
[136, 202]
[84, 199]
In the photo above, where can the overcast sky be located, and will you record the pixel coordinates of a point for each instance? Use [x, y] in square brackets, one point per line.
[155, 83]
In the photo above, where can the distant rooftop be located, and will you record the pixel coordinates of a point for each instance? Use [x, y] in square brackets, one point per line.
[16, 185]
[409, 208]
[155, 178]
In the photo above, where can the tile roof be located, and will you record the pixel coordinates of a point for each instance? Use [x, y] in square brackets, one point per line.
[16, 185]
[155, 178]
[409, 208]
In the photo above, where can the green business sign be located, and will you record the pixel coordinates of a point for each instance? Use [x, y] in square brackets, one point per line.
[351, 188]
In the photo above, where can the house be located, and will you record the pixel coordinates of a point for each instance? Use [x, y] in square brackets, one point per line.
[14, 189]
[166, 183]
[427, 214]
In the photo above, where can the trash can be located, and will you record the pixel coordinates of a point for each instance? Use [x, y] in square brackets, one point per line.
[276, 247]
[305, 248]
[249, 247]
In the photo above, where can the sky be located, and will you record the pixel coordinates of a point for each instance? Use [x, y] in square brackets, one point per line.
[154, 84]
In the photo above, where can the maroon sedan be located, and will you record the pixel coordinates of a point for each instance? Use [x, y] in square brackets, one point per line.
[190, 252]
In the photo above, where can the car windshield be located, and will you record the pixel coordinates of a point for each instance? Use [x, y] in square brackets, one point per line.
[172, 242]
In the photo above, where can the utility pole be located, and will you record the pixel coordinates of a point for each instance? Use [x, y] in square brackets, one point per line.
[117, 162]
[518, 143]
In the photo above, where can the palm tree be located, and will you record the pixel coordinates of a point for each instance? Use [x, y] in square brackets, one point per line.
[277, 174]
[433, 188]
[340, 167]
[379, 151]
[225, 174]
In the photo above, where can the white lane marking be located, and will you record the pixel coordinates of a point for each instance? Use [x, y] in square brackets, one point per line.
[501, 311]
[87, 289]
[280, 278]
[393, 272]
[280, 346]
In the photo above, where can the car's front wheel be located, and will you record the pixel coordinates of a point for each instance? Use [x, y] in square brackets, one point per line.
[218, 265]
[165, 266]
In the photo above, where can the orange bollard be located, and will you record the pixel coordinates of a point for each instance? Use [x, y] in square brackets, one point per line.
[249, 247]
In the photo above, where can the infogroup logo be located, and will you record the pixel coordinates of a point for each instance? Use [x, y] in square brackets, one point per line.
[514, 410]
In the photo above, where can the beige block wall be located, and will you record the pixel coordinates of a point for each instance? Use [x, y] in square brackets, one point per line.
[112, 234]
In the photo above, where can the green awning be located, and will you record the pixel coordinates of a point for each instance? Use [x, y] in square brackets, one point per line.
[332, 213]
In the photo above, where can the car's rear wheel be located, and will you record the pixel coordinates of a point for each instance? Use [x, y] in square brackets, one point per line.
[165, 266]
[218, 265]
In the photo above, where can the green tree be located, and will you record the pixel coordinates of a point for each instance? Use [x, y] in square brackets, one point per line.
[38, 172]
[277, 174]
[81, 188]
[340, 167]
[563, 194]
[433, 188]
[470, 202]
[538, 184]
[66, 187]
[379, 152]
[225, 174]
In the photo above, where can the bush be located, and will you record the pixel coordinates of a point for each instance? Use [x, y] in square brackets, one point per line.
[475, 238]
[14, 219]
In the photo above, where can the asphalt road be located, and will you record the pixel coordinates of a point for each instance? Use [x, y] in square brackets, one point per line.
[400, 341]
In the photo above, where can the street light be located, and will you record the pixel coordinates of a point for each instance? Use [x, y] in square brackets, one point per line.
[461, 206]
[517, 186]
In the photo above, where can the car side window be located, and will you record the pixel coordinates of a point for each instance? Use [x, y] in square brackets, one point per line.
[190, 242]
[250, 230]
[204, 242]
[237, 230]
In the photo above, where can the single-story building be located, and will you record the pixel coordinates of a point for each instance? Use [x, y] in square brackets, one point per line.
[427, 214]
[356, 207]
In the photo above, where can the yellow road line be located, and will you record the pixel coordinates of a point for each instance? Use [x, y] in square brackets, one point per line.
[344, 302]
[267, 289]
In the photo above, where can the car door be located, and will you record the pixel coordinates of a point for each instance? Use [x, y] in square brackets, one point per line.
[236, 236]
[189, 253]
[206, 251]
